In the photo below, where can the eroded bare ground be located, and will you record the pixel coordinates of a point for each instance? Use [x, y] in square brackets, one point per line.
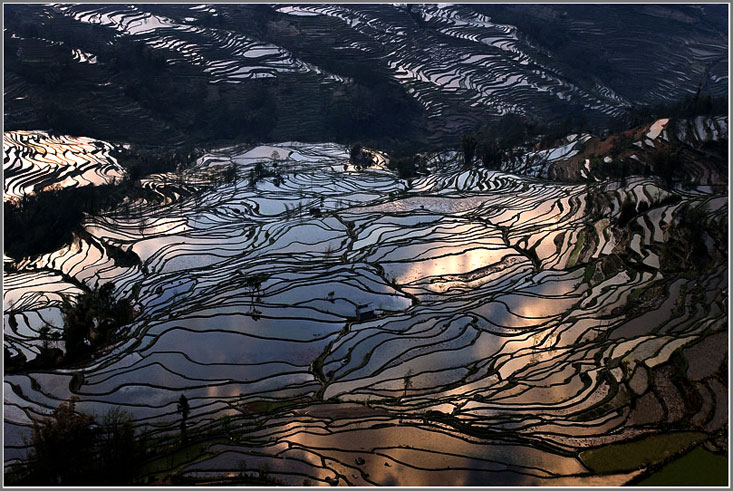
[511, 323]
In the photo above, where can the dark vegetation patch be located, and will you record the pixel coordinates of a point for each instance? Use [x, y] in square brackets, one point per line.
[687, 251]
[74, 448]
[71, 448]
[44, 221]
[701, 103]
[674, 162]
[91, 322]
[632, 455]
[699, 467]
[408, 166]
[360, 157]
[133, 94]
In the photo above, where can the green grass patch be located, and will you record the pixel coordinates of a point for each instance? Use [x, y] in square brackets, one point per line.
[640, 453]
[634, 296]
[588, 273]
[169, 463]
[697, 468]
[576, 252]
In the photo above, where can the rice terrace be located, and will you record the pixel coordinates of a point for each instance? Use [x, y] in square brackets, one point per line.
[365, 244]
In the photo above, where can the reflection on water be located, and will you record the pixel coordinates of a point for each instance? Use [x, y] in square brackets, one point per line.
[36, 160]
[487, 356]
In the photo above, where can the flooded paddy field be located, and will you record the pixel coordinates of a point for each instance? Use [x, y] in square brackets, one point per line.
[37, 161]
[337, 325]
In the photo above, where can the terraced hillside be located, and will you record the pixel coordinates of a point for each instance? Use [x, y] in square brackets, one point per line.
[691, 150]
[348, 72]
[539, 308]
[35, 161]
[337, 325]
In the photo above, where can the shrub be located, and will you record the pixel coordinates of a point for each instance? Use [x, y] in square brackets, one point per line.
[93, 320]
[408, 166]
[71, 448]
[468, 144]
[63, 448]
[627, 212]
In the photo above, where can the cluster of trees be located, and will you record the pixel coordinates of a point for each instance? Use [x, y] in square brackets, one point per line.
[495, 142]
[360, 157]
[630, 210]
[261, 171]
[89, 324]
[468, 144]
[45, 220]
[665, 162]
[687, 250]
[702, 103]
[407, 159]
[408, 166]
[699, 104]
[71, 448]
[492, 144]
[141, 161]
[92, 320]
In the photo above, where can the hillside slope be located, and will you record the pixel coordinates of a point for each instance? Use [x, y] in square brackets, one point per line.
[168, 73]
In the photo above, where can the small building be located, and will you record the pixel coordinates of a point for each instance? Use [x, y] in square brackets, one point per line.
[364, 312]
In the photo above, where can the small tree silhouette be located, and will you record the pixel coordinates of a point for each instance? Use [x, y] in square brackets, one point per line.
[183, 409]
[142, 225]
[226, 425]
[407, 382]
[253, 283]
[468, 142]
